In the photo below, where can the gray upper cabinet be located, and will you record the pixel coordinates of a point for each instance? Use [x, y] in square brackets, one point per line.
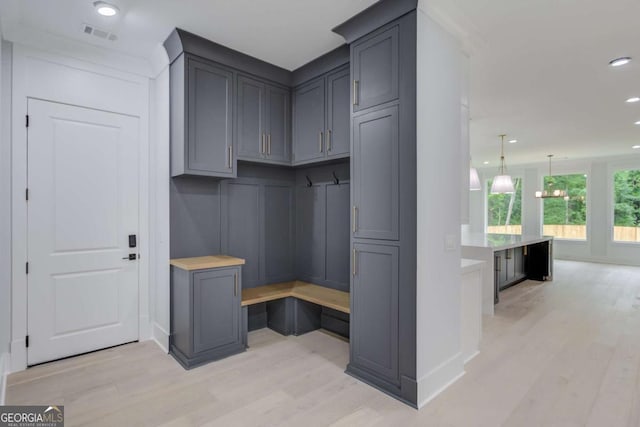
[309, 121]
[375, 69]
[264, 121]
[201, 119]
[338, 126]
[375, 311]
[376, 185]
[251, 118]
[216, 309]
[321, 118]
[278, 131]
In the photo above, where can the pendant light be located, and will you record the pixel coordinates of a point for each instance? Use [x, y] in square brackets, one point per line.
[502, 184]
[551, 192]
[474, 180]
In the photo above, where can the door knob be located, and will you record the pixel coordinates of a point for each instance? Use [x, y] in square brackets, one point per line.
[131, 257]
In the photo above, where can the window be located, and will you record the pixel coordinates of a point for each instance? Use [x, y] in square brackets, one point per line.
[566, 218]
[626, 211]
[504, 211]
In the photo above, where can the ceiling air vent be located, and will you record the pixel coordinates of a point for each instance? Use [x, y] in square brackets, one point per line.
[99, 33]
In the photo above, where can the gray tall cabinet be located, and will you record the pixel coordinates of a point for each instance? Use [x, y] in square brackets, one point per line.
[383, 197]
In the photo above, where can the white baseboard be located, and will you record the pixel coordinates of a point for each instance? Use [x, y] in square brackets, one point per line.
[4, 371]
[471, 357]
[161, 337]
[439, 379]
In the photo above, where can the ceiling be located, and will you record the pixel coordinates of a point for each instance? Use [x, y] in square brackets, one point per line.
[288, 33]
[539, 73]
[538, 68]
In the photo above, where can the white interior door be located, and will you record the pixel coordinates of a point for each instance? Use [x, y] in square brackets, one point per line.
[83, 205]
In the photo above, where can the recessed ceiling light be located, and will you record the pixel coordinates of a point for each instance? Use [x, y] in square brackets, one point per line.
[638, 122]
[105, 9]
[485, 163]
[633, 99]
[635, 147]
[618, 62]
[513, 141]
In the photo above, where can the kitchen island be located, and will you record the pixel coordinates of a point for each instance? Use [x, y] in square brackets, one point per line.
[514, 258]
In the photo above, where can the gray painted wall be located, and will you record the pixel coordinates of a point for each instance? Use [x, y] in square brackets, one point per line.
[5, 196]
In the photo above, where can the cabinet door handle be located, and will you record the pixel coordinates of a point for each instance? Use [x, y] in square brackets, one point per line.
[269, 144]
[354, 226]
[498, 261]
[355, 256]
[320, 138]
[262, 143]
[235, 285]
[328, 143]
[524, 250]
[356, 87]
[230, 153]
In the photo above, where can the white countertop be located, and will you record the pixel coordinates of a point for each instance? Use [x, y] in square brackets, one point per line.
[498, 242]
[469, 265]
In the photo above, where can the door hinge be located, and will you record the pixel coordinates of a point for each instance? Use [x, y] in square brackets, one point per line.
[27, 120]
[26, 194]
[27, 268]
[26, 341]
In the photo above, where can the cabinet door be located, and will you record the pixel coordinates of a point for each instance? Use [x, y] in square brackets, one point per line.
[376, 175]
[308, 122]
[210, 133]
[278, 233]
[374, 310]
[338, 114]
[375, 69]
[251, 118]
[241, 235]
[278, 124]
[310, 232]
[337, 250]
[216, 309]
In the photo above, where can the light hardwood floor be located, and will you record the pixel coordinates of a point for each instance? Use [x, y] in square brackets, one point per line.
[561, 353]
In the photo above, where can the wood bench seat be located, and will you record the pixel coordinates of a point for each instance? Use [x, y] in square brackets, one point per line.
[327, 297]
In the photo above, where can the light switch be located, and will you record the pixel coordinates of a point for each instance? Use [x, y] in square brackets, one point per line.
[450, 242]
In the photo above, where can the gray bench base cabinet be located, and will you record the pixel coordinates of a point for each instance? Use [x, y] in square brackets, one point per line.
[206, 318]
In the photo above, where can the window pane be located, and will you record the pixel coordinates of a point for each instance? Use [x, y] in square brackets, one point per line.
[504, 211]
[626, 224]
[566, 218]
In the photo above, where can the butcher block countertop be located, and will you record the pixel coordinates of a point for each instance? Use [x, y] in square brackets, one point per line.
[332, 298]
[206, 262]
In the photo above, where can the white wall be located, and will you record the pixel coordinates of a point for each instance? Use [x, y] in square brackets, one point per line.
[101, 79]
[599, 246]
[159, 202]
[5, 198]
[439, 68]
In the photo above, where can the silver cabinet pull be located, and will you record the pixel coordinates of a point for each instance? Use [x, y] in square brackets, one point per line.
[235, 285]
[355, 255]
[262, 143]
[320, 137]
[356, 86]
[355, 219]
[328, 143]
[269, 144]
[230, 154]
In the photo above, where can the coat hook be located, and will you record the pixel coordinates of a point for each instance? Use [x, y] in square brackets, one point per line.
[335, 178]
[309, 183]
